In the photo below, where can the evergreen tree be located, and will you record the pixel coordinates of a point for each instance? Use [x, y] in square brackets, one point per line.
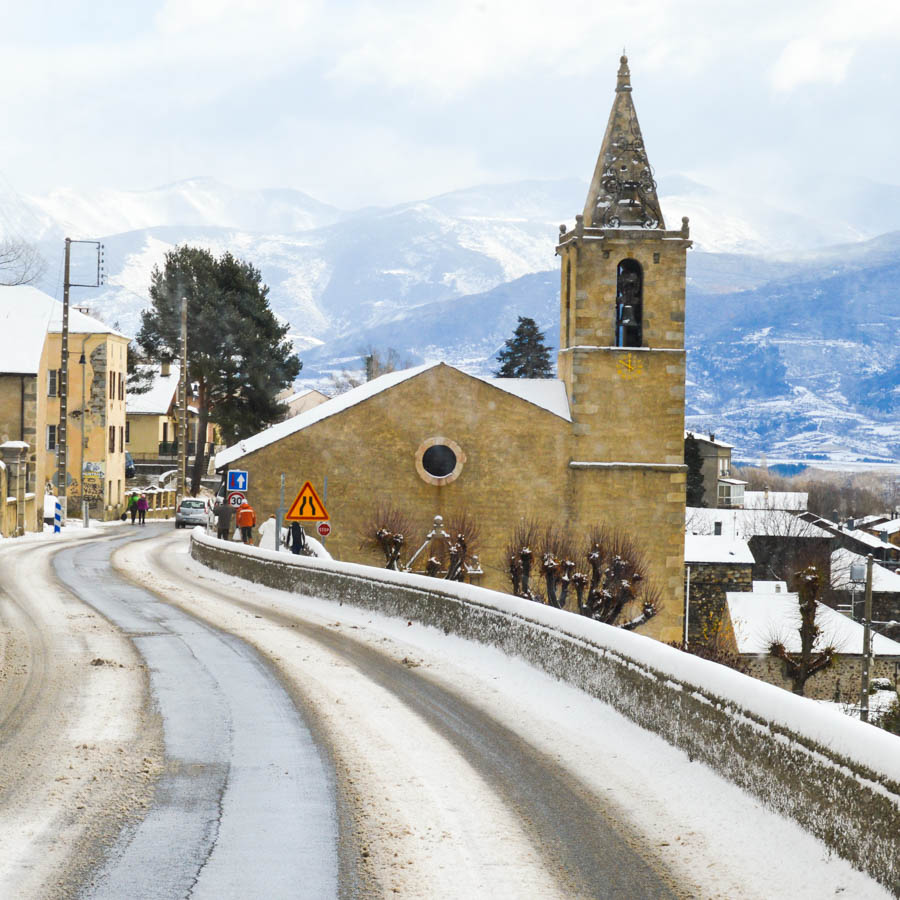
[525, 355]
[694, 462]
[238, 355]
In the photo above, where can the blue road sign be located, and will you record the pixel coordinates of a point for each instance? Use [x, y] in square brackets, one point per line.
[237, 480]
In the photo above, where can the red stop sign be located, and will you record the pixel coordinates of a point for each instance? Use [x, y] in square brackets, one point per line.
[324, 529]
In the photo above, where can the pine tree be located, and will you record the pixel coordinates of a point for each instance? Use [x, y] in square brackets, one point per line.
[238, 354]
[525, 355]
[694, 462]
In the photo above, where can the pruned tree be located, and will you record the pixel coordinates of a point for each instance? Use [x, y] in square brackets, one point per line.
[617, 591]
[388, 531]
[608, 580]
[694, 462]
[525, 355]
[813, 656]
[20, 262]
[239, 356]
[462, 545]
[520, 553]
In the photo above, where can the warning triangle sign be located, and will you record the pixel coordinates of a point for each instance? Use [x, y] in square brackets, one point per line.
[307, 507]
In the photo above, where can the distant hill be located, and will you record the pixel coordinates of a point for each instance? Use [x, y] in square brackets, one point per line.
[792, 312]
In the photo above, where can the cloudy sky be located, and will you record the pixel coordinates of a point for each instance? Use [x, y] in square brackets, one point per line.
[377, 102]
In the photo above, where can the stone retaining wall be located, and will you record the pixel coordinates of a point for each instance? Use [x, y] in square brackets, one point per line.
[850, 805]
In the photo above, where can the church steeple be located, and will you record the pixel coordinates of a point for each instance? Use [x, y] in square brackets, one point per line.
[623, 192]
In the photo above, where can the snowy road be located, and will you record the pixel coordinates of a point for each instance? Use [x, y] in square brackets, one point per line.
[447, 769]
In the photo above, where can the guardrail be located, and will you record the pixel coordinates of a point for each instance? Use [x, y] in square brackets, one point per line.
[836, 777]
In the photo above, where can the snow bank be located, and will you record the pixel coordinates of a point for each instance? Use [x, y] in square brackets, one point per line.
[834, 775]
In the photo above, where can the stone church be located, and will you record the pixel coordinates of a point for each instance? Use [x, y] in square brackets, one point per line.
[602, 444]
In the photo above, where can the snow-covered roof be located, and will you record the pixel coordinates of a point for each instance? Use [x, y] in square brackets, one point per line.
[770, 587]
[708, 439]
[797, 501]
[758, 619]
[158, 399]
[26, 315]
[883, 580]
[867, 521]
[891, 527]
[747, 523]
[708, 548]
[532, 390]
[870, 540]
[299, 395]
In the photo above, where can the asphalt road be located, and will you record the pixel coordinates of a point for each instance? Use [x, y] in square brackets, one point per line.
[246, 805]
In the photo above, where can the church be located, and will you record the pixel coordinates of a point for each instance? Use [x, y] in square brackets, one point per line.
[601, 444]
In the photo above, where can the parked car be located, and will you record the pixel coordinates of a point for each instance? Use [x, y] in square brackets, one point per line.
[192, 511]
[129, 465]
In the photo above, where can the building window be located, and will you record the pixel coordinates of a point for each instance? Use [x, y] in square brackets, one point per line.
[51, 437]
[439, 461]
[717, 527]
[127, 432]
[53, 383]
[568, 301]
[112, 439]
[121, 386]
[121, 439]
[629, 304]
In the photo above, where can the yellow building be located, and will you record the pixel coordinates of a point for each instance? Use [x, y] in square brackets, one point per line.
[602, 444]
[151, 428]
[95, 430]
[24, 320]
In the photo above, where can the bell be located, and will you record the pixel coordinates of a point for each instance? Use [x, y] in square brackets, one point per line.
[626, 317]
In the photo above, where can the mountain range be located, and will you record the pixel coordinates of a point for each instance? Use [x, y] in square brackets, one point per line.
[792, 311]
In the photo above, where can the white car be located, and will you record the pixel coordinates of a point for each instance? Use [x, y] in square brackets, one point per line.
[192, 511]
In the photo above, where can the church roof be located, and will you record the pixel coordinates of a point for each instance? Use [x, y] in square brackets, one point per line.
[623, 191]
[547, 393]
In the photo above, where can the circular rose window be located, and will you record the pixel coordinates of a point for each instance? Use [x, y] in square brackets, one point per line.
[439, 460]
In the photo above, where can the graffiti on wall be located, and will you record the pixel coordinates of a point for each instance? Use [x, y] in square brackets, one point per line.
[92, 477]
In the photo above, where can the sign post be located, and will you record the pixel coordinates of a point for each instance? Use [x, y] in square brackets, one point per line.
[279, 517]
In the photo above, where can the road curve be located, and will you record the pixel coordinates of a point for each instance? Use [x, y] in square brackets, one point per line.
[562, 821]
[245, 806]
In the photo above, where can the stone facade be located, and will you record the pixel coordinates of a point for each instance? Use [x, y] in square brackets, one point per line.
[709, 583]
[840, 681]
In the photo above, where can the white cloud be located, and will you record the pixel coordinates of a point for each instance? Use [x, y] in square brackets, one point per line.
[810, 61]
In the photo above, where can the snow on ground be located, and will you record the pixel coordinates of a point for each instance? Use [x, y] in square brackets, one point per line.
[696, 824]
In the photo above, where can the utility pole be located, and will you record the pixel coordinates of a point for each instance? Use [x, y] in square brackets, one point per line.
[63, 380]
[62, 387]
[182, 408]
[867, 645]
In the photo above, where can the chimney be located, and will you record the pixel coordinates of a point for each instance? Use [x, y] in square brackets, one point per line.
[165, 369]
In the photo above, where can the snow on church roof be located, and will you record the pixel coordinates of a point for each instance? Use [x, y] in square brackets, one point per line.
[546, 393]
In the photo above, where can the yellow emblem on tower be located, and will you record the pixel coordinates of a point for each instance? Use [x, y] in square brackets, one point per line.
[630, 365]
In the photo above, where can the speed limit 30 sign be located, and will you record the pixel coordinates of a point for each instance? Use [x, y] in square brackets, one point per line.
[235, 499]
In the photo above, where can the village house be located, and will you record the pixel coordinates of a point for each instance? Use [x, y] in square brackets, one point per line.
[300, 401]
[30, 353]
[760, 616]
[601, 444]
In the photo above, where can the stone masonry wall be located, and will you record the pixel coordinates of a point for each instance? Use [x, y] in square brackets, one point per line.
[852, 809]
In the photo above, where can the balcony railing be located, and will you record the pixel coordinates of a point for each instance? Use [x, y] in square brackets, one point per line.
[170, 448]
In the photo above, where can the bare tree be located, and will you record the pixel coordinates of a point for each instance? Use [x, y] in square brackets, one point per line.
[388, 530]
[813, 657]
[20, 262]
[375, 362]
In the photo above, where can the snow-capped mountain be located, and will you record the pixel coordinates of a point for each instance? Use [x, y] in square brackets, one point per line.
[781, 322]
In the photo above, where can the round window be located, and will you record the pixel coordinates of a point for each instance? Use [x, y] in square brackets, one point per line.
[439, 460]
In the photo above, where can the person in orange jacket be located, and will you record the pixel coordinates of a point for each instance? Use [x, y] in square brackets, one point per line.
[246, 519]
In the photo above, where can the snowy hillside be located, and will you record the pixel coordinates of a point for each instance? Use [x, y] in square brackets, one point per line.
[791, 338]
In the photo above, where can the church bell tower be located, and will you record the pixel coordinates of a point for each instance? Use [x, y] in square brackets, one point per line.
[621, 354]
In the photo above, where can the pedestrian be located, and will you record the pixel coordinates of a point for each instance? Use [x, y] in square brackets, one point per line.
[223, 511]
[298, 538]
[142, 507]
[267, 534]
[246, 519]
[132, 505]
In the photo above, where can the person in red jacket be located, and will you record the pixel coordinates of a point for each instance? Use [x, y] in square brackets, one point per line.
[246, 519]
